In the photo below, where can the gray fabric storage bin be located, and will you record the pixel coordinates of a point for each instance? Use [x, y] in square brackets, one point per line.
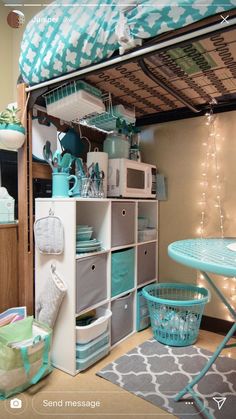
[146, 262]
[122, 317]
[122, 223]
[91, 281]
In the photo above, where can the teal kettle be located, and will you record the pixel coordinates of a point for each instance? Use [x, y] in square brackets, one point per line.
[72, 143]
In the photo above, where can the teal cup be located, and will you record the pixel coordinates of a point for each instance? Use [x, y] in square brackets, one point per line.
[60, 185]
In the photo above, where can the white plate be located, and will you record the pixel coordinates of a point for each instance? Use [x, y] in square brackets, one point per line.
[232, 246]
[41, 134]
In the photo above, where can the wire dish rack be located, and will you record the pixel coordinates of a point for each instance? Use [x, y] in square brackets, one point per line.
[106, 122]
[112, 119]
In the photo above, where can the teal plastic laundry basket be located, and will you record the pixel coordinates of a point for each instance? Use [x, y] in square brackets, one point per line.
[176, 312]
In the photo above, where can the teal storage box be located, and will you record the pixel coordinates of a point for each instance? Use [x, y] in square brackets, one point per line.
[142, 314]
[88, 349]
[83, 364]
[122, 271]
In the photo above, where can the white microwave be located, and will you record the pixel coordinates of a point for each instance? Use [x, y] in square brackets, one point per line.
[131, 179]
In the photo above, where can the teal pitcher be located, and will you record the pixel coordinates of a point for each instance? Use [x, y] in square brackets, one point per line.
[60, 185]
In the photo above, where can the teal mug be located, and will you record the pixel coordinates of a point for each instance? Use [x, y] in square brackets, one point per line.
[60, 185]
[76, 189]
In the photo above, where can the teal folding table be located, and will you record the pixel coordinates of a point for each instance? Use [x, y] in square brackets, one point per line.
[214, 256]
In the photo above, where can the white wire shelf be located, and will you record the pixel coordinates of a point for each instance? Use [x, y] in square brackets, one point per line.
[80, 103]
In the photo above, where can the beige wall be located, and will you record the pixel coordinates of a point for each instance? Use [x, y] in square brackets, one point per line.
[10, 40]
[176, 148]
[6, 73]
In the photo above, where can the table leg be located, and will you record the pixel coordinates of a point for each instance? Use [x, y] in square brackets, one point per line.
[220, 295]
[223, 344]
[209, 362]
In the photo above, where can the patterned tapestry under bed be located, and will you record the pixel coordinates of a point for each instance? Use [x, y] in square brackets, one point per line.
[72, 34]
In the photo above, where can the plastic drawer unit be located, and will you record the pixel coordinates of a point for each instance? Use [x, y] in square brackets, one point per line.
[122, 317]
[85, 334]
[142, 314]
[122, 271]
[91, 281]
[146, 263]
[122, 223]
[83, 364]
[88, 349]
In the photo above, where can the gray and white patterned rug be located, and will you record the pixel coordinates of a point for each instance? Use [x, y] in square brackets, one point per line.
[156, 373]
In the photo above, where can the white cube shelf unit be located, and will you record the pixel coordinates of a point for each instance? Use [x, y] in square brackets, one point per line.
[115, 224]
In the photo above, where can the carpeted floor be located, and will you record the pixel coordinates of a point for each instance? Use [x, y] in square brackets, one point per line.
[156, 373]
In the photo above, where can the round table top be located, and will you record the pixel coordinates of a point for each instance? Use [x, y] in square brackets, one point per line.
[209, 255]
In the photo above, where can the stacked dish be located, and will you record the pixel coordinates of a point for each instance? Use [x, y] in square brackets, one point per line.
[84, 242]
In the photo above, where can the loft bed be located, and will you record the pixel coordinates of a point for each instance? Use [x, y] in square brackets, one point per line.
[178, 74]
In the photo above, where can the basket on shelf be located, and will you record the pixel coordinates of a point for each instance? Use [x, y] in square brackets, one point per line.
[176, 311]
[105, 122]
[74, 100]
[115, 118]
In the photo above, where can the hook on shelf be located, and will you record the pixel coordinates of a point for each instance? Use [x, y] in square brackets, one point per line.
[53, 268]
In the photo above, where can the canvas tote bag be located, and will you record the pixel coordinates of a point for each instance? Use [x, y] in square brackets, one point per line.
[24, 365]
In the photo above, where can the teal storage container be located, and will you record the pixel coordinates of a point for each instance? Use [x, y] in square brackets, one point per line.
[176, 311]
[88, 349]
[83, 364]
[116, 146]
[142, 315]
[122, 271]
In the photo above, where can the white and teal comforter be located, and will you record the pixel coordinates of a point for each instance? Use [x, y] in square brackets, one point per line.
[72, 34]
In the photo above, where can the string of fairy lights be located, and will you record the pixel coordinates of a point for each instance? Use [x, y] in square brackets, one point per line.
[211, 193]
[210, 163]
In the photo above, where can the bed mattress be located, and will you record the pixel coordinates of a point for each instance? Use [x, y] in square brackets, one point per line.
[65, 37]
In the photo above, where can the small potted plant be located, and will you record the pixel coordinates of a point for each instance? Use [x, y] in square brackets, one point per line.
[12, 132]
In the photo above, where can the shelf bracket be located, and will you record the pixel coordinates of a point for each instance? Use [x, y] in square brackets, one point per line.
[154, 78]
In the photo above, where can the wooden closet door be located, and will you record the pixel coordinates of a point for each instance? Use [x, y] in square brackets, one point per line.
[8, 266]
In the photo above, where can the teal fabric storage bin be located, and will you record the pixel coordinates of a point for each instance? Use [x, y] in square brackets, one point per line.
[122, 271]
[142, 315]
[83, 364]
[88, 349]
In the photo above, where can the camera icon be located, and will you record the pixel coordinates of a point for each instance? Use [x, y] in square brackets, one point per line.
[16, 403]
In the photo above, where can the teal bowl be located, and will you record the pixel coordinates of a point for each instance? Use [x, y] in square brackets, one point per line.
[84, 235]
